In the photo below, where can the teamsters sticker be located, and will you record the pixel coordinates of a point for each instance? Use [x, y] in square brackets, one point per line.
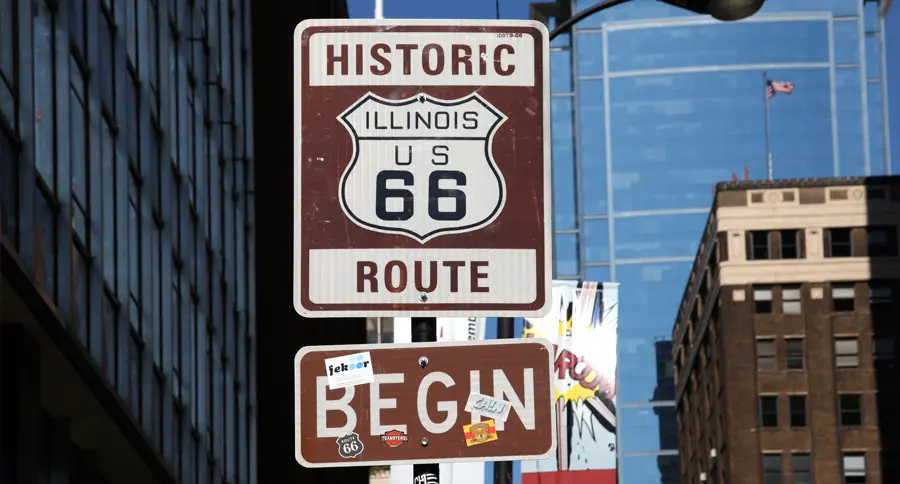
[349, 446]
[394, 438]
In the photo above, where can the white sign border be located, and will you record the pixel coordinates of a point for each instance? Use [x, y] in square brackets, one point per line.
[298, 454]
[298, 157]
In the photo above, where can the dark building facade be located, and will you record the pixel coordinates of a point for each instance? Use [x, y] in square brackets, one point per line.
[281, 332]
[127, 303]
[785, 345]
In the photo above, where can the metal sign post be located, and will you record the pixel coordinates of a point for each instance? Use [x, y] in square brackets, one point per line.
[425, 330]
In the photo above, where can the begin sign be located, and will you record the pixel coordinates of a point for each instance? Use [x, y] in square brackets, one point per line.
[422, 168]
[427, 402]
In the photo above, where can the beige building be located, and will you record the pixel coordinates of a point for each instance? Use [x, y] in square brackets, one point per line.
[785, 345]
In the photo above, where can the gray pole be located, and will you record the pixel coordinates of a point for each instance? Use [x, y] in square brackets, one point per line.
[425, 330]
[766, 124]
[503, 470]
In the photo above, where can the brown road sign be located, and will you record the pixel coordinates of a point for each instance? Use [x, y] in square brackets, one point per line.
[406, 403]
[422, 168]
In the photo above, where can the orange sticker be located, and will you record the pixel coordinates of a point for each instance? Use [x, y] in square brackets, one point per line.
[480, 433]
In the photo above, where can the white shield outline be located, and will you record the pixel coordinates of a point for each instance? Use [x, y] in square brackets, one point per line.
[424, 98]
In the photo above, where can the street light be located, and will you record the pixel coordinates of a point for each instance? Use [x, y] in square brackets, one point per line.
[726, 10]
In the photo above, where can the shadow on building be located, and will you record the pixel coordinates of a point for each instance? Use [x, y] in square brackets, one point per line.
[668, 427]
[281, 332]
[884, 305]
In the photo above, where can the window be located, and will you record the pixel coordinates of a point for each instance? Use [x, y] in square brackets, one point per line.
[842, 297]
[882, 241]
[838, 243]
[854, 469]
[797, 404]
[884, 349]
[762, 299]
[765, 355]
[758, 245]
[850, 408]
[879, 294]
[800, 468]
[108, 204]
[790, 296]
[80, 166]
[106, 61]
[768, 411]
[790, 244]
[794, 353]
[772, 468]
[846, 353]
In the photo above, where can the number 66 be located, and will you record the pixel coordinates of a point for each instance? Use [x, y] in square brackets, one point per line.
[435, 193]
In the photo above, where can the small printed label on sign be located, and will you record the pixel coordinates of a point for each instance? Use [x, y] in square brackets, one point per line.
[488, 406]
[349, 446]
[480, 433]
[394, 438]
[349, 370]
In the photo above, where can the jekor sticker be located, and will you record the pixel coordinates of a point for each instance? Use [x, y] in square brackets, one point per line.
[480, 433]
[394, 438]
[488, 406]
[349, 446]
[349, 370]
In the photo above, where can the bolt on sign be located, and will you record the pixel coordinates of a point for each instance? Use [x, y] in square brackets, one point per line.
[422, 168]
[416, 408]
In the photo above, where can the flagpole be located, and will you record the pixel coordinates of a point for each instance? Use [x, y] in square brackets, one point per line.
[766, 124]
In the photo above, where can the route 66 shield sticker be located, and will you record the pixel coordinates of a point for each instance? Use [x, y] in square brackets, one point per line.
[349, 446]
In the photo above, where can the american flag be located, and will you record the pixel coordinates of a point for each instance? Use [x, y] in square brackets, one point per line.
[774, 87]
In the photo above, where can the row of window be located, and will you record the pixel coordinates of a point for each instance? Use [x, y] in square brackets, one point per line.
[853, 468]
[850, 413]
[838, 242]
[846, 353]
[161, 266]
[843, 297]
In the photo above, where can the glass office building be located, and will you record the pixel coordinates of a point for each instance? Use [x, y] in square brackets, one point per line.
[127, 297]
[652, 105]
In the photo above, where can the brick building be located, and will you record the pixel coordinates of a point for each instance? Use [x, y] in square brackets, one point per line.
[784, 347]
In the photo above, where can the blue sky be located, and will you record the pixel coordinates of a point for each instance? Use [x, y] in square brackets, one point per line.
[514, 9]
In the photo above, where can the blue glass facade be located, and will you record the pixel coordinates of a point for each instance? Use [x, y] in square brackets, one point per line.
[125, 190]
[651, 106]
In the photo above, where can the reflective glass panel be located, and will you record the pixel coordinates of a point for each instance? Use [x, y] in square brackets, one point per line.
[563, 164]
[675, 136]
[846, 41]
[596, 240]
[649, 297]
[649, 469]
[590, 53]
[717, 44]
[566, 255]
[848, 97]
[646, 429]
[561, 71]
[592, 144]
[659, 235]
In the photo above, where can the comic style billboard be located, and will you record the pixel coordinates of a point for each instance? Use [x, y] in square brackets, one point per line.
[582, 325]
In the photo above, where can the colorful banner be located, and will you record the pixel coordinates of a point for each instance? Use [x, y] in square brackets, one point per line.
[582, 325]
[460, 329]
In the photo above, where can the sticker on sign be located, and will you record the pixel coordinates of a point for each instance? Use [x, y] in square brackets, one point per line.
[422, 168]
[488, 406]
[349, 370]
